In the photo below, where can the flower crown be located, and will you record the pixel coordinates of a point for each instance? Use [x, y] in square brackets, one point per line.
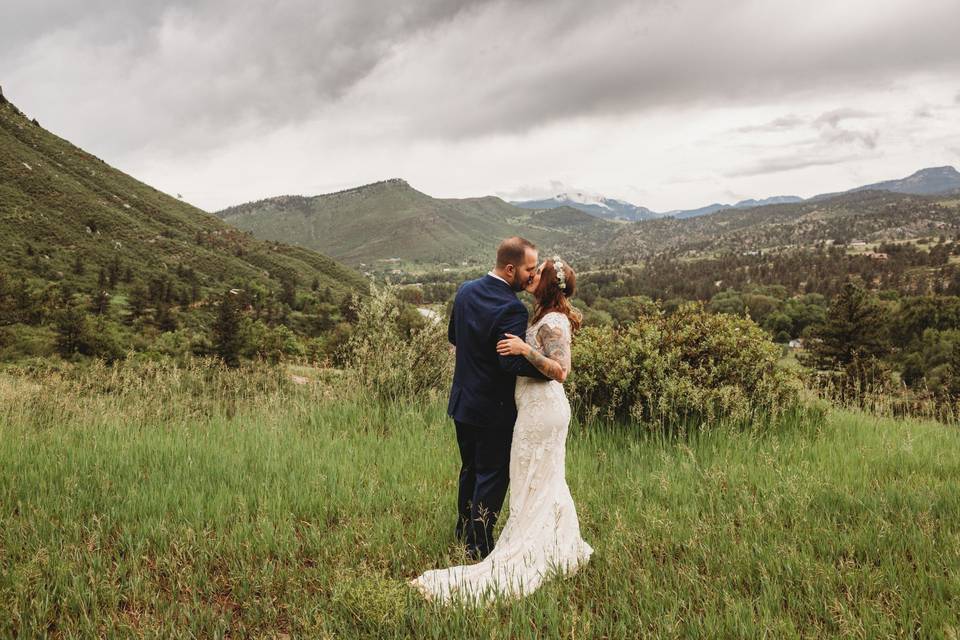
[561, 274]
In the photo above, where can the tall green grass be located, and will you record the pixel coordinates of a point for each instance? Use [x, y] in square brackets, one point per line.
[211, 503]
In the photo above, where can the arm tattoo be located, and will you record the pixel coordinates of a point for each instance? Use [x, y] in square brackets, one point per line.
[554, 362]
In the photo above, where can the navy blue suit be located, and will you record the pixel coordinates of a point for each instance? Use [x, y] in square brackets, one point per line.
[481, 402]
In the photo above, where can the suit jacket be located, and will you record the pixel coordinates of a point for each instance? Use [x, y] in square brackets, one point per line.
[483, 381]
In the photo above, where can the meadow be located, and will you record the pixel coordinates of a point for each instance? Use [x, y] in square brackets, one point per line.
[166, 502]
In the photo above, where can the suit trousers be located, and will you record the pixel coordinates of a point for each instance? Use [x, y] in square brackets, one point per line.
[484, 477]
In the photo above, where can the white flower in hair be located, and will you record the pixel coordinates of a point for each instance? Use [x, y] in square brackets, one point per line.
[561, 274]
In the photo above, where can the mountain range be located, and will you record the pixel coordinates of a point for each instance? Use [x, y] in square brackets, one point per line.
[869, 216]
[716, 206]
[389, 221]
[929, 181]
[65, 215]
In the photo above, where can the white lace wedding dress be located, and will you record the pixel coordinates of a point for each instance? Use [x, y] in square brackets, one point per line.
[542, 534]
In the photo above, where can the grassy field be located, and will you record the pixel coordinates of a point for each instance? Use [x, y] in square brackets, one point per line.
[217, 504]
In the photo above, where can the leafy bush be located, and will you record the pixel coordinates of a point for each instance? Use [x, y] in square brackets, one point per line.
[108, 340]
[392, 358]
[690, 365]
[24, 341]
[662, 369]
[271, 343]
[181, 345]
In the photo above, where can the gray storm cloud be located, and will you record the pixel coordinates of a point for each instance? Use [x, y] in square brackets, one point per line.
[182, 72]
[192, 74]
[232, 100]
[629, 57]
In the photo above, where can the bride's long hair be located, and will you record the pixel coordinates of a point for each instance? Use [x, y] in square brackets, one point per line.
[550, 297]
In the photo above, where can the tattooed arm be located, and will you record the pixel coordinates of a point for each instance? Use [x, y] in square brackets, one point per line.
[514, 321]
[553, 358]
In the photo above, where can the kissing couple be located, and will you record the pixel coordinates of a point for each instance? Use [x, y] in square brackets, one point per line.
[511, 415]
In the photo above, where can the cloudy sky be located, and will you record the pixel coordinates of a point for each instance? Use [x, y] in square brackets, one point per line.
[665, 104]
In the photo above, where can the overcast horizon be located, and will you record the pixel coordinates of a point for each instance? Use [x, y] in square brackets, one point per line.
[668, 105]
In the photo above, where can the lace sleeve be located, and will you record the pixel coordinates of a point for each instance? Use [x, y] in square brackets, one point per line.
[553, 339]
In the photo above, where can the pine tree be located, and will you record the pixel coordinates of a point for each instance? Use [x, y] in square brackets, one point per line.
[852, 341]
[138, 300]
[73, 331]
[113, 274]
[101, 302]
[227, 339]
[854, 329]
[166, 321]
[288, 292]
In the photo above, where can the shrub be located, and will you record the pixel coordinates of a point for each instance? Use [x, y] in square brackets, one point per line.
[24, 341]
[77, 333]
[271, 343]
[108, 340]
[180, 345]
[335, 344]
[691, 365]
[392, 359]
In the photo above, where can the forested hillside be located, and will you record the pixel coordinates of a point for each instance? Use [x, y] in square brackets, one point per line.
[865, 216]
[92, 260]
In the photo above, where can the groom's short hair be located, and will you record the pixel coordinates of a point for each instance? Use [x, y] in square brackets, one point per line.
[512, 250]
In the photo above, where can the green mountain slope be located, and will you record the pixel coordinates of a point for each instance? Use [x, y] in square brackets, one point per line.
[64, 203]
[390, 219]
[73, 229]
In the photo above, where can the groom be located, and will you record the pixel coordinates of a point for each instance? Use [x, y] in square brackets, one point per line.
[481, 399]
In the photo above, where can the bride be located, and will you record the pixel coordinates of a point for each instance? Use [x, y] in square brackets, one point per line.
[542, 533]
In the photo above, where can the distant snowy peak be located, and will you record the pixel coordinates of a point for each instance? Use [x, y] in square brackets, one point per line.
[582, 198]
[594, 204]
